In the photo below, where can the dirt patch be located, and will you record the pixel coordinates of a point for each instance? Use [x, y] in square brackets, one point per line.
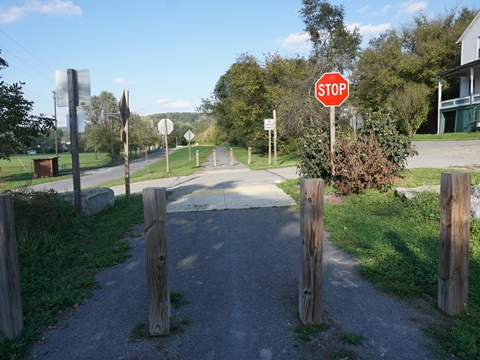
[334, 198]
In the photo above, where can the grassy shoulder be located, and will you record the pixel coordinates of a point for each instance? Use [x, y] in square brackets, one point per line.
[18, 172]
[261, 161]
[59, 255]
[179, 165]
[448, 136]
[396, 244]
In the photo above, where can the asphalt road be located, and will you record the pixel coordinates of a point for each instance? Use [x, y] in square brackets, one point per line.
[238, 272]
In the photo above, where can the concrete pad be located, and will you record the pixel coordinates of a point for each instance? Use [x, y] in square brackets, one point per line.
[231, 198]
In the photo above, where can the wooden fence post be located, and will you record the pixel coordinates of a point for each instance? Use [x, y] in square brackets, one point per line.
[154, 211]
[214, 157]
[311, 235]
[231, 157]
[11, 317]
[454, 236]
[249, 155]
[197, 156]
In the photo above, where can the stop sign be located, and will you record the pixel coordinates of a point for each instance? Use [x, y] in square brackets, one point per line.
[331, 89]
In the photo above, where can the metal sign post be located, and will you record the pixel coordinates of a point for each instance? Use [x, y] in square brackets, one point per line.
[72, 90]
[189, 135]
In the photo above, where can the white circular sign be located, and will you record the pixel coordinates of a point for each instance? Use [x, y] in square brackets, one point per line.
[161, 126]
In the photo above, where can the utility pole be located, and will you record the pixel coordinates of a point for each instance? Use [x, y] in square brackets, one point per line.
[56, 123]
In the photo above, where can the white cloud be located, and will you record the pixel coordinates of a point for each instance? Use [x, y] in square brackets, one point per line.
[173, 105]
[413, 6]
[365, 8]
[50, 7]
[370, 30]
[296, 41]
[120, 81]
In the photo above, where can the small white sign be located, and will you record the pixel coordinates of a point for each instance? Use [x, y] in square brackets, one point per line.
[83, 88]
[269, 124]
[161, 126]
[189, 135]
[80, 123]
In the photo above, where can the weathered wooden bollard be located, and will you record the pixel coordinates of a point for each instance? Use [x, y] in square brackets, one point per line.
[231, 157]
[214, 157]
[197, 156]
[249, 155]
[454, 237]
[154, 211]
[11, 316]
[311, 235]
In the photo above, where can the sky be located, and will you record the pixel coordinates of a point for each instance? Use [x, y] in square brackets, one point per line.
[168, 54]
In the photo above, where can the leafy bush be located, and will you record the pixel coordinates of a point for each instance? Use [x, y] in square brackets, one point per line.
[373, 160]
[361, 165]
[314, 159]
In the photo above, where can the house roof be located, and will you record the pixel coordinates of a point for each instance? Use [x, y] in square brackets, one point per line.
[460, 70]
[467, 30]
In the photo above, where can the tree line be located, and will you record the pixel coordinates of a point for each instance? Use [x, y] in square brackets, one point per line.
[396, 72]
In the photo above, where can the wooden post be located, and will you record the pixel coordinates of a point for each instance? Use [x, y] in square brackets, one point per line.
[249, 155]
[332, 137]
[154, 211]
[197, 156]
[11, 317]
[126, 152]
[269, 147]
[214, 157]
[166, 144]
[231, 157]
[274, 137]
[454, 236]
[311, 234]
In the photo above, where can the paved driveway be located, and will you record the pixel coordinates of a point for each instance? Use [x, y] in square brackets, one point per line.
[446, 154]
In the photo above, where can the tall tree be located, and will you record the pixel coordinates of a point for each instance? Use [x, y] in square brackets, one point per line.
[333, 42]
[103, 124]
[17, 126]
[142, 133]
[239, 102]
[413, 54]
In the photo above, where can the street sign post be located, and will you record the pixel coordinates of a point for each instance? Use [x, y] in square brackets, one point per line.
[269, 124]
[189, 136]
[165, 127]
[125, 113]
[72, 89]
[332, 89]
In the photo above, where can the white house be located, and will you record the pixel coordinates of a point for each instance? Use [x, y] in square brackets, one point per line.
[463, 114]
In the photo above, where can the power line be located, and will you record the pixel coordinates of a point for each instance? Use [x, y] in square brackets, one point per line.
[40, 61]
[30, 66]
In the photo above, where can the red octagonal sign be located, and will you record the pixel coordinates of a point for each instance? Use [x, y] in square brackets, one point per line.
[331, 89]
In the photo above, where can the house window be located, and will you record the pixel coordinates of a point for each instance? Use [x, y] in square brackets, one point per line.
[478, 47]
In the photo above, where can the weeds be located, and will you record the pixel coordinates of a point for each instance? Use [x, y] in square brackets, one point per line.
[59, 254]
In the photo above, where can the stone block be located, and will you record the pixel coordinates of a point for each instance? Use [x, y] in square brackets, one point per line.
[93, 200]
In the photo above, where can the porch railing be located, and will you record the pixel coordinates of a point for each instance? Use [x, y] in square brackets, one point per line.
[463, 101]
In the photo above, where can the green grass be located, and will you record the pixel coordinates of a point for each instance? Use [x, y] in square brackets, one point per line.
[309, 332]
[449, 136]
[260, 161]
[59, 255]
[18, 172]
[396, 244]
[179, 165]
